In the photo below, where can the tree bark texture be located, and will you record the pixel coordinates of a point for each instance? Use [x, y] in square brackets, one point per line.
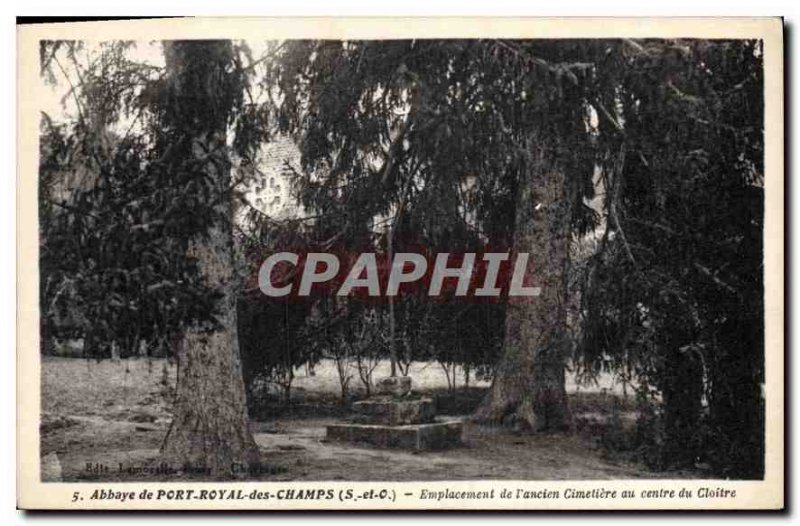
[528, 389]
[209, 430]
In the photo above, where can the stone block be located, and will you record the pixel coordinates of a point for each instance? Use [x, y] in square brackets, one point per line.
[435, 435]
[392, 412]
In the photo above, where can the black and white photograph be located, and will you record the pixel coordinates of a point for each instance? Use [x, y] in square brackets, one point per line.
[403, 260]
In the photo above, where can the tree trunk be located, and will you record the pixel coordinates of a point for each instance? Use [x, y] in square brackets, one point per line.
[682, 395]
[528, 388]
[209, 430]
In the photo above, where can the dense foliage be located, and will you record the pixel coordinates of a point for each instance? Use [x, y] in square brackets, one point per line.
[118, 201]
[674, 296]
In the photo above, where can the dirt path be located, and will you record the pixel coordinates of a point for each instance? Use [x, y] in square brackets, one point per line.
[298, 450]
[486, 454]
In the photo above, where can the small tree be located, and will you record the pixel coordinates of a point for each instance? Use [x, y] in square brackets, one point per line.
[362, 334]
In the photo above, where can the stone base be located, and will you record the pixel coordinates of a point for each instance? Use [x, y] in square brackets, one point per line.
[436, 435]
[391, 412]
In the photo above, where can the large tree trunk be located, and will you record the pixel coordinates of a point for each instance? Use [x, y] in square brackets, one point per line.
[528, 389]
[683, 396]
[209, 430]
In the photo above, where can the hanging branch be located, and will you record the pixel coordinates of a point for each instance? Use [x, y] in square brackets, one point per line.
[72, 90]
[612, 205]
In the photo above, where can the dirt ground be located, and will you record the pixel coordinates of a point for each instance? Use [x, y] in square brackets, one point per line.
[105, 421]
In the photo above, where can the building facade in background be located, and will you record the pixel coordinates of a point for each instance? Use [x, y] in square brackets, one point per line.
[271, 191]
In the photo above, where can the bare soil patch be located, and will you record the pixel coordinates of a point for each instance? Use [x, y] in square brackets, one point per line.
[105, 421]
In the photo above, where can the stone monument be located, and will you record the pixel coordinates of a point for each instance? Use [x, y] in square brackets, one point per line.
[397, 418]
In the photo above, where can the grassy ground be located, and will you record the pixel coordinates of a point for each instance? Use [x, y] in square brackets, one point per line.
[114, 414]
